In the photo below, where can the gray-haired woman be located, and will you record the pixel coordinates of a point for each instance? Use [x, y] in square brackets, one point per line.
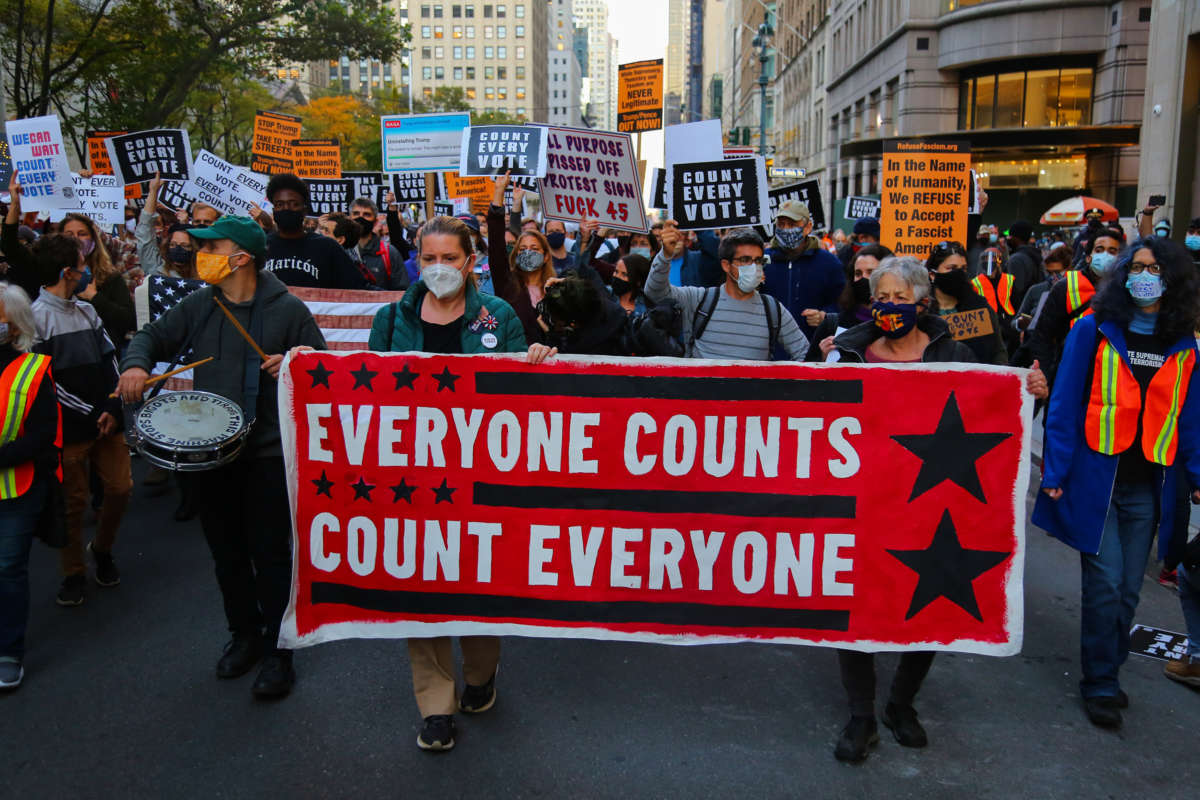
[30, 437]
[900, 331]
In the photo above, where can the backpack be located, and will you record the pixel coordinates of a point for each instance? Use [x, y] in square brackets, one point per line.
[708, 304]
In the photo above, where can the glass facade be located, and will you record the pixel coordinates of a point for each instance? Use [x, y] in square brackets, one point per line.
[1042, 98]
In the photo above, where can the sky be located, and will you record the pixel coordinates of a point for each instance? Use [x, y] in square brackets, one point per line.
[640, 28]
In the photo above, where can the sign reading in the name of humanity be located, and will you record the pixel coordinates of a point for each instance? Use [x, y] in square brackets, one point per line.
[226, 187]
[926, 191]
[98, 160]
[640, 96]
[40, 161]
[807, 192]
[271, 149]
[719, 194]
[592, 175]
[491, 150]
[139, 156]
[969, 324]
[317, 158]
[679, 502]
[328, 196]
[860, 207]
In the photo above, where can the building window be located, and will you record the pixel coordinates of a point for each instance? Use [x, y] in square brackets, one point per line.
[501, 31]
[426, 32]
[427, 92]
[439, 52]
[470, 51]
[488, 31]
[458, 73]
[489, 73]
[457, 31]
[519, 11]
[438, 31]
[427, 73]
[520, 92]
[502, 92]
[502, 73]
[520, 109]
[489, 52]
[456, 11]
[487, 11]
[439, 73]
[458, 52]
[425, 12]
[1044, 98]
[470, 73]
[469, 12]
[426, 53]
[437, 12]
[500, 11]
[521, 51]
[489, 93]
[470, 31]
[520, 31]
[470, 89]
[501, 52]
[520, 72]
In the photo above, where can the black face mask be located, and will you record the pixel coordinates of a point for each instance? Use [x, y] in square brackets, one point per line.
[953, 283]
[289, 220]
[178, 254]
[620, 286]
[862, 291]
[365, 226]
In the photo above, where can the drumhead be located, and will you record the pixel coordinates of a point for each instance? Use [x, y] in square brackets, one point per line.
[189, 419]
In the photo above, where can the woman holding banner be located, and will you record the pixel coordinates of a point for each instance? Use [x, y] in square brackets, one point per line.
[443, 312]
[1124, 419]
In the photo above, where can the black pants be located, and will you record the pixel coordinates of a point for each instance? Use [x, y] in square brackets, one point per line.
[858, 677]
[246, 519]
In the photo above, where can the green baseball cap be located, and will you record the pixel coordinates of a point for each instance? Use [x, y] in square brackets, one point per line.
[242, 231]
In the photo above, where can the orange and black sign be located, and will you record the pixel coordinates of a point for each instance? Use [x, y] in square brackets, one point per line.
[926, 191]
[317, 158]
[274, 133]
[98, 153]
[478, 188]
[640, 96]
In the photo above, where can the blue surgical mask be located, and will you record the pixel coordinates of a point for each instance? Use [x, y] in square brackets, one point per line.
[1102, 262]
[1144, 288]
[644, 252]
[84, 280]
[993, 238]
[1192, 241]
[749, 277]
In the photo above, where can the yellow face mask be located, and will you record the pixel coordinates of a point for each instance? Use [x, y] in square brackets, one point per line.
[213, 267]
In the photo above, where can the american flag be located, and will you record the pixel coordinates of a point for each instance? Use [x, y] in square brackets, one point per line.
[343, 315]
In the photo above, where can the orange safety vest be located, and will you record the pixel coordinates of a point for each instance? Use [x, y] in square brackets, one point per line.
[18, 386]
[988, 292]
[1079, 295]
[1115, 403]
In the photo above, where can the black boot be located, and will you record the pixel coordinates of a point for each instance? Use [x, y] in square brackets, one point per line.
[241, 654]
[902, 720]
[859, 735]
[276, 678]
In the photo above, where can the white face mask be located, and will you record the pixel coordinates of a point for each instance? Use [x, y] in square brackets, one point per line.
[442, 279]
[749, 276]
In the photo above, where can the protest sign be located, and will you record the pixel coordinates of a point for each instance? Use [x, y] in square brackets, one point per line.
[586, 497]
[658, 189]
[729, 193]
[690, 142]
[446, 209]
[969, 324]
[100, 197]
[926, 186]
[136, 157]
[368, 185]
[1157, 643]
[328, 196]
[859, 207]
[640, 96]
[226, 187]
[40, 160]
[409, 187]
[593, 175]
[422, 142]
[478, 188]
[6, 167]
[98, 161]
[492, 150]
[807, 192]
[317, 158]
[176, 195]
[271, 149]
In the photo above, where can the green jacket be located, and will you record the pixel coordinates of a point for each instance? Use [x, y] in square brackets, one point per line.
[490, 324]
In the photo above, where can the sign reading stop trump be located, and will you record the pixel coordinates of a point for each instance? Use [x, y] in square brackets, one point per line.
[684, 502]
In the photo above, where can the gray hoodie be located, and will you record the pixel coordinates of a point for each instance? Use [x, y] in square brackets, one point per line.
[286, 323]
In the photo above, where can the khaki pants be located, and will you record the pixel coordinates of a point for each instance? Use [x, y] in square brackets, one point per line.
[433, 669]
[110, 456]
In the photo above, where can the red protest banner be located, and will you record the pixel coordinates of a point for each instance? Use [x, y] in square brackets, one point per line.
[872, 507]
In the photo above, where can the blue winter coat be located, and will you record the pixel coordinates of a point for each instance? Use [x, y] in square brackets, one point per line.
[1087, 477]
[813, 278]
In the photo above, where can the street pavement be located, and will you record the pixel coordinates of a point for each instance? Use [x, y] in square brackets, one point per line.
[121, 700]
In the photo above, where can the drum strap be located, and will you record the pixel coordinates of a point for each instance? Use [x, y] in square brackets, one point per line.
[253, 366]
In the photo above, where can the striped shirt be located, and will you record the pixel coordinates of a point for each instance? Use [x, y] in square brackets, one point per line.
[738, 329]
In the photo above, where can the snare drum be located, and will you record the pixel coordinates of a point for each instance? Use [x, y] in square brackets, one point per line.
[189, 431]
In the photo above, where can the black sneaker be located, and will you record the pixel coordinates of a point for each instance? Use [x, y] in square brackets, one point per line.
[1104, 712]
[437, 734]
[478, 699]
[11, 673]
[71, 591]
[276, 678]
[242, 652]
[902, 721]
[107, 573]
[1122, 699]
[859, 735]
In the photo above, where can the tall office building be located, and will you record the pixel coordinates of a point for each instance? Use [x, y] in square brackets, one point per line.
[677, 59]
[601, 96]
[564, 102]
[367, 77]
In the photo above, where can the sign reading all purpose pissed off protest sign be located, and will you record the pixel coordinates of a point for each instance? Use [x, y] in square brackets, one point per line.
[684, 502]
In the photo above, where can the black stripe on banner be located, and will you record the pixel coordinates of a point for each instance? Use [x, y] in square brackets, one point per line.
[658, 501]
[392, 601]
[670, 388]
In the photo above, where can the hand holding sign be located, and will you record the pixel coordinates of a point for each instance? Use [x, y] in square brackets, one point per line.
[670, 239]
[498, 192]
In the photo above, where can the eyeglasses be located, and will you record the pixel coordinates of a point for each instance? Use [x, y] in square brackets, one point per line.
[746, 261]
[949, 247]
[1137, 269]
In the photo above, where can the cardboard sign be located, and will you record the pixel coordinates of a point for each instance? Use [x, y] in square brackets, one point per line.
[690, 143]
[1157, 643]
[317, 158]
[178, 195]
[640, 96]
[100, 197]
[477, 188]
[271, 150]
[807, 192]
[328, 196]
[860, 207]
[730, 193]
[226, 187]
[672, 501]
[136, 157]
[441, 209]
[492, 150]
[969, 324]
[409, 187]
[40, 160]
[422, 142]
[593, 175]
[658, 189]
[926, 189]
[98, 160]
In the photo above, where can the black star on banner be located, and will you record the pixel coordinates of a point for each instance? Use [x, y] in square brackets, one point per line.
[442, 494]
[323, 485]
[949, 453]
[446, 379]
[947, 569]
[362, 490]
[405, 378]
[402, 491]
[363, 377]
[320, 375]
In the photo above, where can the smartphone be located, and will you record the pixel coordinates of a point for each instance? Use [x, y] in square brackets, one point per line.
[1157, 200]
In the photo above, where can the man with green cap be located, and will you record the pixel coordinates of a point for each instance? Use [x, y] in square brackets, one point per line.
[246, 517]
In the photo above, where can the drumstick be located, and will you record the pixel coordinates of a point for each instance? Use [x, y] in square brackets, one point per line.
[176, 371]
[238, 326]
